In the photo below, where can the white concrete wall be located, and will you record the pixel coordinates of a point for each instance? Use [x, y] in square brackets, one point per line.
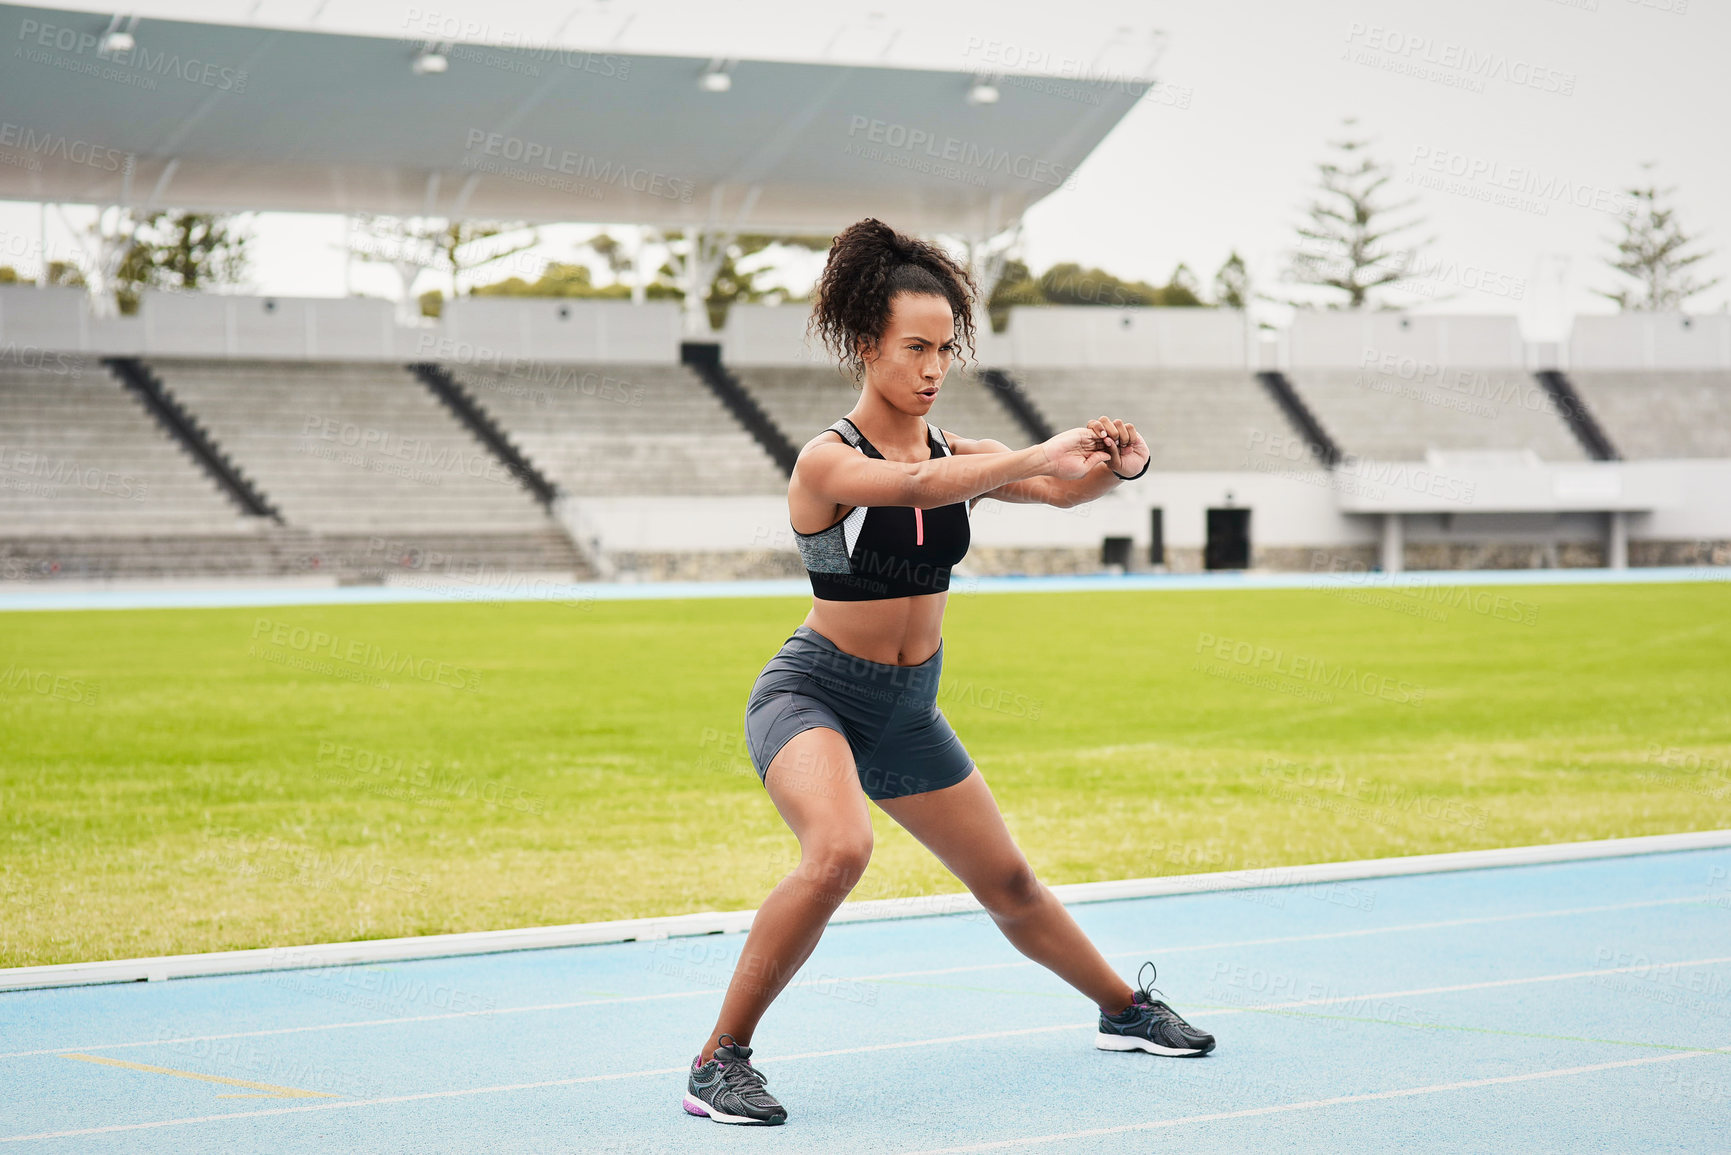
[1650, 341]
[565, 330]
[1081, 336]
[487, 328]
[769, 335]
[34, 319]
[1333, 340]
[323, 328]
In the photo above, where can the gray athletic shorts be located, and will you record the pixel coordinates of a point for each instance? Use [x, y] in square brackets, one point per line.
[902, 743]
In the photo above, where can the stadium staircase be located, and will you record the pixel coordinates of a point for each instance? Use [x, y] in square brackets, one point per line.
[184, 428]
[1297, 412]
[480, 423]
[704, 358]
[1582, 423]
[1018, 405]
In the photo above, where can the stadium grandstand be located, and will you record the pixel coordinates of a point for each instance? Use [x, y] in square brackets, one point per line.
[339, 439]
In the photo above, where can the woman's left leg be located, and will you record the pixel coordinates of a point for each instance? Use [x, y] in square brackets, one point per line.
[961, 825]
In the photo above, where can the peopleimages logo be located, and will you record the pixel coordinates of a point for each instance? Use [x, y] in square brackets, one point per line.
[1524, 179]
[48, 144]
[1419, 52]
[535, 154]
[425, 25]
[142, 61]
[953, 150]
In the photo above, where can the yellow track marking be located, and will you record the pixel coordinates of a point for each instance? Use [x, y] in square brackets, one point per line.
[271, 1091]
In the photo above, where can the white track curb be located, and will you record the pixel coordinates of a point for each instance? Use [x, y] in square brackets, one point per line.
[714, 922]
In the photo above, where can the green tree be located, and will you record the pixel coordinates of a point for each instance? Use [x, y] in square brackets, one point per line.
[1181, 290]
[610, 250]
[452, 247]
[1016, 286]
[739, 280]
[556, 280]
[180, 251]
[1344, 245]
[1651, 254]
[65, 275]
[1071, 284]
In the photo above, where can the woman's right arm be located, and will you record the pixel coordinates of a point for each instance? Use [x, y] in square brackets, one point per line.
[831, 471]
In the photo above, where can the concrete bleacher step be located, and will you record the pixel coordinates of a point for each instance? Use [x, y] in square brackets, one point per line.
[468, 564]
[354, 447]
[1193, 419]
[80, 454]
[1391, 418]
[1660, 413]
[604, 429]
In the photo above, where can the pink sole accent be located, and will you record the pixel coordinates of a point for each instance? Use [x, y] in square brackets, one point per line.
[919, 528]
[690, 1110]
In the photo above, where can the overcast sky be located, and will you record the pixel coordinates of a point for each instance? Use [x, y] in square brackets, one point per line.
[1517, 122]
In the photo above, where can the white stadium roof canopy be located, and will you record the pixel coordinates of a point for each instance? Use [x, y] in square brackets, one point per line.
[244, 115]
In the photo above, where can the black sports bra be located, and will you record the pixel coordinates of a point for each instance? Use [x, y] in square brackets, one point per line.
[886, 551]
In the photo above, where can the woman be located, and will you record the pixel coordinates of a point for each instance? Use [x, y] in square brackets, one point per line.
[847, 711]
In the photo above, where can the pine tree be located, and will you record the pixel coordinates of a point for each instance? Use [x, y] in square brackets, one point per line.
[1344, 243]
[1651, 253]
[1232, 283]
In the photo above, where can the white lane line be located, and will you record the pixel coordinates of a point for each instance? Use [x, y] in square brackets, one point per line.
[1318, 937]
[468, 1091]
[1698, 962]
[859, 978]
[465, 1092]
[1282, 1108]
[1556, 978]
[369, 1023]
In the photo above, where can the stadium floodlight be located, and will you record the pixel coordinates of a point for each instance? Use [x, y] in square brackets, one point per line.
[716, 78]
[983, 91]
[117, 39]
[430, 62]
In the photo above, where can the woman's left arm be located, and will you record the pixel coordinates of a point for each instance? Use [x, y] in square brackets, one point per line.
[1129, 454]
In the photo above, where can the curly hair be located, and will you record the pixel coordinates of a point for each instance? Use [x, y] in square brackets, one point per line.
[869, 264]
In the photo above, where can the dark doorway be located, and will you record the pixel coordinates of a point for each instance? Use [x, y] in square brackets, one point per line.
[1116, 551]
[1156, 537]
[1228, 539]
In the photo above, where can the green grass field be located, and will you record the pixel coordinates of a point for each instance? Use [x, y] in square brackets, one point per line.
[207, 780]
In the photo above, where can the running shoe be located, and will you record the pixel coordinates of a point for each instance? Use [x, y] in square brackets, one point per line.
[1148, 1024]
[729, 1089]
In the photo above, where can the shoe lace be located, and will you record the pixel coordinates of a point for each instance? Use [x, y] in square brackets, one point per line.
[741, 1075]
[1156, 1007]
[1166, 1014]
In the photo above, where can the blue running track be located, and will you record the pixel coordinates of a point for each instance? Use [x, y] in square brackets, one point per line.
[1573, 1007]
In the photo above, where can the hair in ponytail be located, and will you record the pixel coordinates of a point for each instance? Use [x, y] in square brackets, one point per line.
[869, 264]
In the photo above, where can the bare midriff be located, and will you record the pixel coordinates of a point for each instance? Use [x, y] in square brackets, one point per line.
[892, 632]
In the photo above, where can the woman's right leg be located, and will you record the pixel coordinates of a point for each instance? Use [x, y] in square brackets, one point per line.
[815, 786]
